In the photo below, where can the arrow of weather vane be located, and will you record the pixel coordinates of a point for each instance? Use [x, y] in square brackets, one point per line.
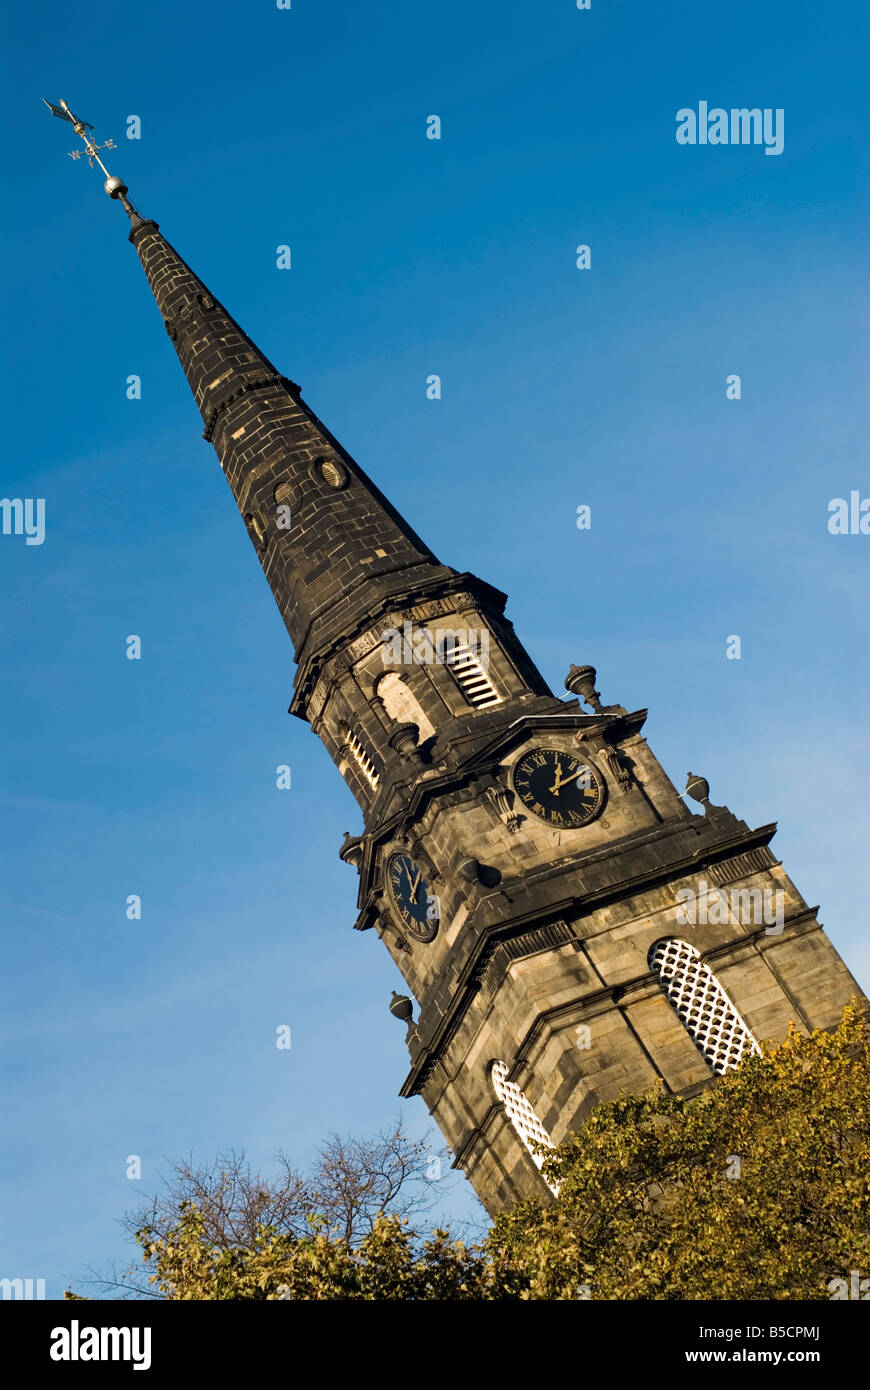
[115, 187]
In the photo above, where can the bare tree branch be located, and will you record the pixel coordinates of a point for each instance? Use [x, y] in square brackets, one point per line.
[351, 1183]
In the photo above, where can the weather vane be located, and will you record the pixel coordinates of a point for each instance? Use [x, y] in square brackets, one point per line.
[115, 187]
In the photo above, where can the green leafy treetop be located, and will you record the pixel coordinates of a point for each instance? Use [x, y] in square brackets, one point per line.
[758, 1188]
[388, 1263]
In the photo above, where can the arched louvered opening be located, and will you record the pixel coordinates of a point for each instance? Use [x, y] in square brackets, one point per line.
[522, 1117]
[702, 1004]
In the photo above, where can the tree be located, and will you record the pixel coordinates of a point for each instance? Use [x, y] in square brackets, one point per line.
[356, 1181]
[388, 1263]
[759, 1188]
[351, 1183]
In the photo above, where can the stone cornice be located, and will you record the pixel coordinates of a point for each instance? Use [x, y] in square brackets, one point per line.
[508, 729]
[398, 592]
[480, 935]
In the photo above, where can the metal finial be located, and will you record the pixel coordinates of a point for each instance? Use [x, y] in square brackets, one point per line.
[580, 680]
[115, 187]
[402, 1008]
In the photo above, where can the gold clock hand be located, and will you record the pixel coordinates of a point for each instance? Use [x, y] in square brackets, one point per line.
[554, 790]
[565, 780]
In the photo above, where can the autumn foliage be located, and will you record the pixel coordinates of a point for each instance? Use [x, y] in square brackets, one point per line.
[759, 1188]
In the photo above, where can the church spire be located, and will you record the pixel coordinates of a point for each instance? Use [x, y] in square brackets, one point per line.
[327, 538]
[529, 866]
[332, 546]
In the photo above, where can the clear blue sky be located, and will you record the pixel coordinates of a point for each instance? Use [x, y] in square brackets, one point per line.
[560, 387]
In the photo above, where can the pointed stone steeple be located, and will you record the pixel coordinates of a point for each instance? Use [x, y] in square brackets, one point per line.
[528, 865]
[342, 563]
[328, 540]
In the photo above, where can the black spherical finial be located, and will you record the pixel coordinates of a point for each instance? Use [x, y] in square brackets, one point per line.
[698, 788]
[401, 1007]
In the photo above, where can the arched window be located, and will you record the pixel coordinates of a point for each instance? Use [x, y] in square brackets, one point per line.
[401, 703]
[702, 1005]
[521, 1116]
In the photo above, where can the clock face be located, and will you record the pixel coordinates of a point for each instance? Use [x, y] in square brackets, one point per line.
[416, 906]
[559, 788]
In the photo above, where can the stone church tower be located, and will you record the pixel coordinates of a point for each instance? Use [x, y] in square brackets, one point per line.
[567, 927]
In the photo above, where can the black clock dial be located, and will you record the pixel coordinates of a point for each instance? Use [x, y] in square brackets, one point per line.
[561, 789]
[415, 905]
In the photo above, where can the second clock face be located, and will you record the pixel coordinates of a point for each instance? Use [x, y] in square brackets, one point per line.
[561, 789]
[416, 906]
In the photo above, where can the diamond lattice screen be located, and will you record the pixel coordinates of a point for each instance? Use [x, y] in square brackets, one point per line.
[521, 1115]
[702, 1004]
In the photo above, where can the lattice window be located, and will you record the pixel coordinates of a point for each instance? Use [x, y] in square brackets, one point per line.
[357, 750]
[473, 681]
[702, 1005]
[521, 1116]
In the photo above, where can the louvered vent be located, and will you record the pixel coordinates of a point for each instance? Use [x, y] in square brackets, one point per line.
[473, 681]
[356, 749]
